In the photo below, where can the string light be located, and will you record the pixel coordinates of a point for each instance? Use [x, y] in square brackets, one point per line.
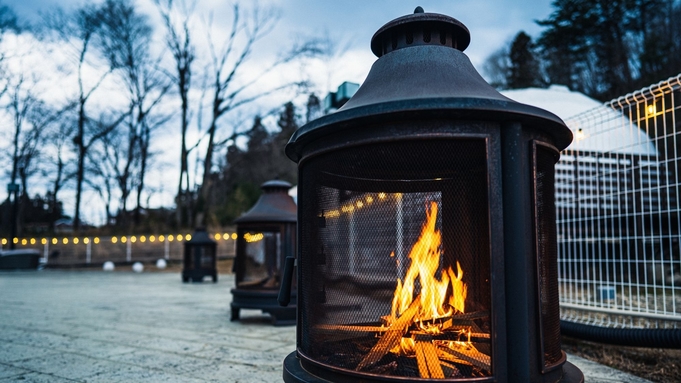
[170, 237]
[43, 241]
[4, 241]
[179, 237]
[217, 236]
[75, 241]
[65, 241]
[86, 240]
[114, 239]
[253, 237]
[32, 241]
[652, 109]
[54, 241]
[24, 242]
[225, 236]
[124, 239]
[161, 238]
[234, 236]
[96, 240]
[143, 239]
[188, 237]
[153, 238]
[15, 240]
[133, 239]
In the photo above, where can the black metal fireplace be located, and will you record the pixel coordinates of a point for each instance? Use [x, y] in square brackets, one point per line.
[427, 225]
[266, 233]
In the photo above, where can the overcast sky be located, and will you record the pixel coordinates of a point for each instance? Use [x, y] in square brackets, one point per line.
[349, 24]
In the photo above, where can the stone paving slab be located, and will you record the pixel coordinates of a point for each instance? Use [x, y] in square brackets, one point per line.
[92, 326]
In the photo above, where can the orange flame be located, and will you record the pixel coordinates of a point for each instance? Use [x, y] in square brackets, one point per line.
[439, 297]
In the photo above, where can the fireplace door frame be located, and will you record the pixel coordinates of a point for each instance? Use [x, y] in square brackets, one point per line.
[487, 131]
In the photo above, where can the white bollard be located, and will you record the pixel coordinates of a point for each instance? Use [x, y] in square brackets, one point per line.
[108, 266]
[161, 264]
[137, 267]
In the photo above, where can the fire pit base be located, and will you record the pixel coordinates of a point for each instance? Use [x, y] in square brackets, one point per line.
[294, 372]
[265, 300]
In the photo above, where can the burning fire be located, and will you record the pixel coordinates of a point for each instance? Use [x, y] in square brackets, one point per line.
[438, 298]
[428, 327]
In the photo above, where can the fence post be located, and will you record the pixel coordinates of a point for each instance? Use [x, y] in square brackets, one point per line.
[88, 252]
[167, 248]
[128, 250]
[46, 250]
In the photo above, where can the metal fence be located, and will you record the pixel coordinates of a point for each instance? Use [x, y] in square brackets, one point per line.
[95, 250]
[618, 212]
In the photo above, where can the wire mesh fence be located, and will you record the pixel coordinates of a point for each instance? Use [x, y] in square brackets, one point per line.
[617, 201]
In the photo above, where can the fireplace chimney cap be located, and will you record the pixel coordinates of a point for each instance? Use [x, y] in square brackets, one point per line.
[275, 185]
[420, 28]
[274, 205]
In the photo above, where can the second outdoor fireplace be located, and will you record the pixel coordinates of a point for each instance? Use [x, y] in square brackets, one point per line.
[427, 224]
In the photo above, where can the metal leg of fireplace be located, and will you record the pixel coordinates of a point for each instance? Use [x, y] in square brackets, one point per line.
[294, 372]
[266, 301]
[235, 314]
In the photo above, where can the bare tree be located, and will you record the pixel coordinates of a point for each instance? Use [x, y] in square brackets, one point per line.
[8, 22]
[60, 169]
[31, 118]
[232, 90]
[497, 68]
[179, 42]
[78, 30]
[104, 159]
[126, 40]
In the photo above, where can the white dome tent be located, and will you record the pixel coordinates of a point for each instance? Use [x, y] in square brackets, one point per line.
[595, 126]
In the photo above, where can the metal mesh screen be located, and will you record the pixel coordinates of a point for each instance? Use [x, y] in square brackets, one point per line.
[364, 211]
[261, 260]
[547, 254]
[617, 200]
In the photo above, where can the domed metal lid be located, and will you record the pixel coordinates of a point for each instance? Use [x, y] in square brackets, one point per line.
[420, 28]
[421, 79]
[274, 205]
[200, 237]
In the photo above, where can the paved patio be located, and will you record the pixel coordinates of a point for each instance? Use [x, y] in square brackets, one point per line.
[93, 326]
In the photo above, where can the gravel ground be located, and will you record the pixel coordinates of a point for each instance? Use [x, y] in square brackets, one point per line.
[654, 364]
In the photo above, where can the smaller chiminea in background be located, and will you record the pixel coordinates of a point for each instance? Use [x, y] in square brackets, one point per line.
[266, 235]
[199, 257]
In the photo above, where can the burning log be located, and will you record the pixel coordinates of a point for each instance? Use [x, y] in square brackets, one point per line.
[357, 329]
[468, 354]
[426, 357]
[392, 336]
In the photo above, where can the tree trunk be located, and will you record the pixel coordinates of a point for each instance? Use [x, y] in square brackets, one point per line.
[80, 172]
[181, 205]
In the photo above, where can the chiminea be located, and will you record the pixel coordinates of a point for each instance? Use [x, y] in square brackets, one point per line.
[266, 234]
[427, 224]
[200, 257]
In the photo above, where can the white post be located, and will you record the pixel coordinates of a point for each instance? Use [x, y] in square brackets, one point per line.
[128, 250]
[46, 250]
[88, 252]
[167, 248]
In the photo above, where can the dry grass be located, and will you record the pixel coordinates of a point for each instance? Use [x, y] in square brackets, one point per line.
[655, 364]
